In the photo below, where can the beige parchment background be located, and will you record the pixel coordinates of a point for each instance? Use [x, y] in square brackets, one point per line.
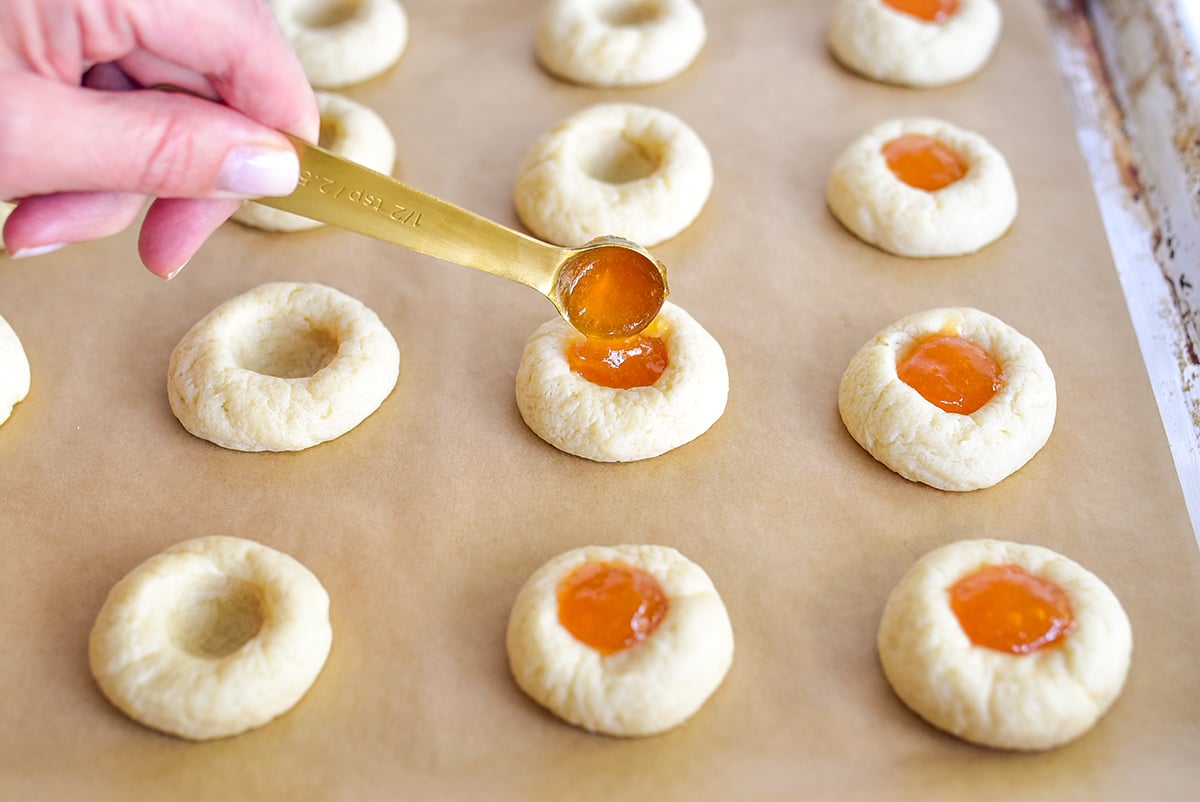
[424, 521]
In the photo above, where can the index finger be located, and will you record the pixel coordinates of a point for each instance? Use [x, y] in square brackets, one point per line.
[235, 44]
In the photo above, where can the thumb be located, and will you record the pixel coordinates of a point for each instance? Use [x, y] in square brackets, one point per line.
[149, 142]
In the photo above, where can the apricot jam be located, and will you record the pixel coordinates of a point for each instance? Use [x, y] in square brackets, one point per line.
[926, 10]
[610, 291]
[1004, 607]
[952, 373]
[923, 162]
[610, 606]
[636, 361]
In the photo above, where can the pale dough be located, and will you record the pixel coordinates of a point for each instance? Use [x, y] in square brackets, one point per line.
[343, 42]
[881, 43]
[210, 638]
[614, 169]
[924, 443]
[609, 424]
[349, 129]
[5, 210]
[879, 208]
[609, 43]
[1032, 701]
[14, 370]
[281, 368]
[642, 690]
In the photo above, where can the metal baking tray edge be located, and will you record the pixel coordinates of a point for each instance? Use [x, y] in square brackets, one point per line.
[1131, 74]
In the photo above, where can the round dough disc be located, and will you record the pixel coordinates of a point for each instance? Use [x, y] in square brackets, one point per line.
[947, 450]
[884, 44]
[647, 688]
[210, 638]
[610, 43]
[14, 370]
[340, 43]
[610, 424]
[880, 209]
[1011, 701]
[281, 368]
[616, 169]
[5, 210]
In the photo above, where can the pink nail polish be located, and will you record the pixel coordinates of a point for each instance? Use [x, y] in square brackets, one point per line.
[176, 271]
[37, 250]
[255, 172]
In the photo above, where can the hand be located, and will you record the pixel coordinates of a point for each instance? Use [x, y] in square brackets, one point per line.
[83, 144]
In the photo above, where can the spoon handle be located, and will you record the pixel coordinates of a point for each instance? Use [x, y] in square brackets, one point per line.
[339, 192]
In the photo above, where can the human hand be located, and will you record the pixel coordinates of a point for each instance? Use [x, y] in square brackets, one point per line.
[83, 144]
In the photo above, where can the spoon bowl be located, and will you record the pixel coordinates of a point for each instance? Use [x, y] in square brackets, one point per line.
[609, 287]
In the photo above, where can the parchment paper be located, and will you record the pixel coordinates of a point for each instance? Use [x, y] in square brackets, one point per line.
[425, 520]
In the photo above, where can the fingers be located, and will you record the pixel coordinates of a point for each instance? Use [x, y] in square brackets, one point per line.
[149, 71]
[237, 46]
[48, 220]
[233, 44]
[174, 229]
[109, 77]
[148, 142]
[84, 159]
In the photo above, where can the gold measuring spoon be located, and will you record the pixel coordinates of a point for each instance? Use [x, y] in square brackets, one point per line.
[609, 287]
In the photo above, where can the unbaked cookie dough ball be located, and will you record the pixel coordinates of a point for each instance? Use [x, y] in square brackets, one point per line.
[922, 187]
[919, 43]
[349, 129]
[343, 42]
[614, 169]
[609, 43]
[281, 368]
[210, 638]
[619, 401]
[621, 640]
[5, 210]
[1005, 645]
[951, 397]
[14, 371]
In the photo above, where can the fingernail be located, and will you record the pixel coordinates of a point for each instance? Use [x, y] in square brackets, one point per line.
[254, 172]
[176, 271]
[37, 250]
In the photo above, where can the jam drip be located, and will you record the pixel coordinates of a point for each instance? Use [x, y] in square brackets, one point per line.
[633, 362]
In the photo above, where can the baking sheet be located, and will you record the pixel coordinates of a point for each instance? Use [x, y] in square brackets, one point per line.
[1132, 68]
[424, 521]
